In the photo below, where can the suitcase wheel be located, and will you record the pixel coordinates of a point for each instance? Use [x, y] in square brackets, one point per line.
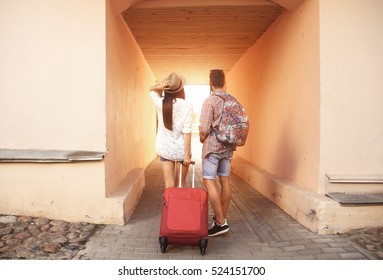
[163, 244]
[202, 246]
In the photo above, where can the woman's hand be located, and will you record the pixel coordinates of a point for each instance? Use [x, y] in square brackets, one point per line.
[166, 85]
[187, 159]
[160, 87]
[187, 148]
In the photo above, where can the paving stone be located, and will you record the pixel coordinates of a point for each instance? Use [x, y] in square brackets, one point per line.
[328, 257]
[352, 256]
[7, 219]
[333, 250]
[294, 248]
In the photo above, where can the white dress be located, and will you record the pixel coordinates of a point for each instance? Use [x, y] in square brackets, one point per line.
[170, 143]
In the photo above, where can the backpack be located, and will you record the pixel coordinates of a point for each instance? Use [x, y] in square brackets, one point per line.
[233, 126]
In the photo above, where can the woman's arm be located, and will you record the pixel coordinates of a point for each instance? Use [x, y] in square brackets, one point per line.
[159, 87]
[187, 140]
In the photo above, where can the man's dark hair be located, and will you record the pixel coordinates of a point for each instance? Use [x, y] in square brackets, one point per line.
[217, 78]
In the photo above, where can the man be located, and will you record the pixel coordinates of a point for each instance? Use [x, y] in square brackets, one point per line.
[216, 156]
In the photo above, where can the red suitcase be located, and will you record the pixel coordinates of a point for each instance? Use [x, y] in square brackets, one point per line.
[184, 218]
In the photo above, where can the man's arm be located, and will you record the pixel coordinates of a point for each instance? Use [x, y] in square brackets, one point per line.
[205, 121]
[202, 136]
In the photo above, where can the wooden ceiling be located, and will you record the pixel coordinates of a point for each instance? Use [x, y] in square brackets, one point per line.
[191, 39]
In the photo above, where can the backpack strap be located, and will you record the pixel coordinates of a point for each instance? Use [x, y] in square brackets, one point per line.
[222, 94]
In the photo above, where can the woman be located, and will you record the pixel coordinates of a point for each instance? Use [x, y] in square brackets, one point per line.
[173, 140]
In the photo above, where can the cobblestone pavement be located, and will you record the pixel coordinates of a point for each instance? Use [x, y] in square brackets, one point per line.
[42, 239]
[370, 239]
[258, 230]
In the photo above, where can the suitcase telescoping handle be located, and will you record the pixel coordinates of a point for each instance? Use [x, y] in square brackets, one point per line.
[193, 166]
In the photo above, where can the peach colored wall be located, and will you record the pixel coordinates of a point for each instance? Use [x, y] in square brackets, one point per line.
[278, 82]
[131, 117]
[351, 88]
[66, 83]
[52, 96]
[52, 74]
[56, 191]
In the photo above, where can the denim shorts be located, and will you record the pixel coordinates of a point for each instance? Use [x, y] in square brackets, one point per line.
[217, 164]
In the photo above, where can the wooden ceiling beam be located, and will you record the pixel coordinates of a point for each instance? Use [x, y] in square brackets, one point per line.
[290, 5]
[150, 4]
